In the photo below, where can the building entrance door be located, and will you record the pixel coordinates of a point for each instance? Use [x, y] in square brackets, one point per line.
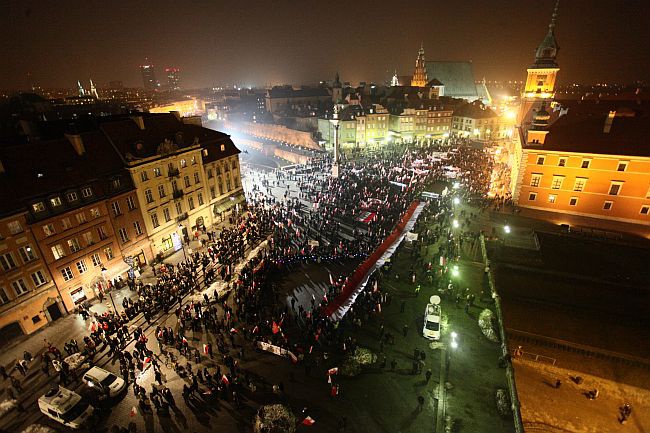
[55, 312]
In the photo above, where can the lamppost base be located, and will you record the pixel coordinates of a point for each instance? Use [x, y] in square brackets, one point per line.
[335, 170]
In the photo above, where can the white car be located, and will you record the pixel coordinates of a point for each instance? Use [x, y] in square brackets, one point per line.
[431, 328]
[66, 407]
[104, 381]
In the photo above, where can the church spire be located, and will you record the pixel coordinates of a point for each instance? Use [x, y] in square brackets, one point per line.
[547, 51]
[420, 74]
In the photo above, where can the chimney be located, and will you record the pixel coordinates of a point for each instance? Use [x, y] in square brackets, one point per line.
[608, 122]
[77, 143]
[139, 120]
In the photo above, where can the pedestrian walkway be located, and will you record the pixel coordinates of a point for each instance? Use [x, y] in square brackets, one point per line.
[568, 408]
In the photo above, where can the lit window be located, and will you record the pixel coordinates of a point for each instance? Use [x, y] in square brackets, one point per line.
[14, 227]
[183, 163]
[55, 201]
[73, 244]
[579, 184]
[557, 182]
[57, 251]
[608, 205]
[86, 192]
[573, 201]
[38, 207]
[109, 253]
[552, 198]
[156, 172]
[95, 213]
[615, 187]
[532, 196]
[48, 229]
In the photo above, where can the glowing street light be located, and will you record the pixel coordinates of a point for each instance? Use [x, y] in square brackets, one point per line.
[456, 200]
[456, 185]
[506, 229]
[454, 271]
[454, 341]
[455, 223]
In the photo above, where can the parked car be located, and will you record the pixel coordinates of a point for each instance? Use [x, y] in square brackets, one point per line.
[104, 381]
[66, 407]
[431, 328]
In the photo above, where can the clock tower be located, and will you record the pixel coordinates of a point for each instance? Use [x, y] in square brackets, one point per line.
[540, 82]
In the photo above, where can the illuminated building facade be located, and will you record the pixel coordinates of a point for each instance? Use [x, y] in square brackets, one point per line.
[420, 74]
[585, 158]
[173, 78]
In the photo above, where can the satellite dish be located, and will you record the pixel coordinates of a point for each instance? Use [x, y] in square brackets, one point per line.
[435, 300]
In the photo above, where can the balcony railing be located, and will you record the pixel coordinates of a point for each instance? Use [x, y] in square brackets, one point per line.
[178, 193]
[173, 172]
[181, 217]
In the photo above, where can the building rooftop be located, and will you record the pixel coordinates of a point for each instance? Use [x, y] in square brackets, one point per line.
[458, 77]
[582, 129]
[305, 92]
[474, 110]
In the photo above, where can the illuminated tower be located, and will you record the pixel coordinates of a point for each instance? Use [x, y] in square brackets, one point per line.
[80, 89]
[540, 83]
[335, 123]
[420, 75]
[93, 89]
[149, 77]
[394, 81]
[337, 90]
[173, 78]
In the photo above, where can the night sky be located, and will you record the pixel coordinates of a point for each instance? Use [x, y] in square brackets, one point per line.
[259, 42]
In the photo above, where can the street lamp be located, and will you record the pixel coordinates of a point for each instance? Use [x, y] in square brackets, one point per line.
[454, 341]
[506, 229]
[455, 223]
[456, 200]
[454, 271]
[110, 294]
[180, 226]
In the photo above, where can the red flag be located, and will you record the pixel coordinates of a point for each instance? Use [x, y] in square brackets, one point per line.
[233, 330]
[308, 421]
[184, 340]
[160, 334]
[332, 371]
[225, 380]
[275, 328]
[134, 411]
[147, 360]
[205, 349]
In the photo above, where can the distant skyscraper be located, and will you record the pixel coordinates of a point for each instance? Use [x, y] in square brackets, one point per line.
[149, 77]
[173, 78]
[80, 89]
[93, 89]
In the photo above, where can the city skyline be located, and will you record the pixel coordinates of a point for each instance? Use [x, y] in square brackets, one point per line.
[312, 43]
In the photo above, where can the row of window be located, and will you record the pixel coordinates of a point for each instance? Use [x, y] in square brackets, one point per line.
[68, 274]
[157, 172]
[162, 191]
[573, 201]
[50, 229]
[74, 245]
[21, 287]
[26, 253]
[179, 210]
[124, 233]
[584, 163]
[117, 210]
[579, 184]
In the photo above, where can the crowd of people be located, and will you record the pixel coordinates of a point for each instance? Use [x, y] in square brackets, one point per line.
[291, 217]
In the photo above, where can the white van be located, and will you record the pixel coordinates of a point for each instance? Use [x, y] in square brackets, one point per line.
[66, 407]
[431, 328]
[104, 381]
